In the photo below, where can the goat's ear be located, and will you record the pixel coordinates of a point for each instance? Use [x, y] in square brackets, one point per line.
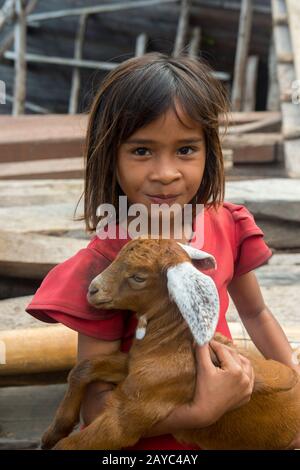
[196, 296]
[206, 260]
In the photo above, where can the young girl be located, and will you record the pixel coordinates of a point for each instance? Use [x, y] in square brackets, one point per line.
[152, 135]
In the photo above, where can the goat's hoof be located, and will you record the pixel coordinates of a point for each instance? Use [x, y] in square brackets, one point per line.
[49, 439]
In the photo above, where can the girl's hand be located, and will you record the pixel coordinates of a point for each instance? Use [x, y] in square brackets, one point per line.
[218, 390]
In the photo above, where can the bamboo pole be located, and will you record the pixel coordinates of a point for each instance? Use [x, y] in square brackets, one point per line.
[7, 12]
[96, 9]
[182, 28]
[8, 40]
[35, 350]
[141, 44]
[20, 62]
[75, 86]
[29, 105]
[245, 24]
[90, 64]
[195, 42]
[54, 348]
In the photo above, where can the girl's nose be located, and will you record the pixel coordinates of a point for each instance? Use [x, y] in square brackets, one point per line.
[165, 171]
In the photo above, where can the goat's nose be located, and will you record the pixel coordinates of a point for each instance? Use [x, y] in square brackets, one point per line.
[93, 290]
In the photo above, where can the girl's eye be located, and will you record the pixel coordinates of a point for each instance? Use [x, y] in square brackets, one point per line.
[143, 149]
[185, 148]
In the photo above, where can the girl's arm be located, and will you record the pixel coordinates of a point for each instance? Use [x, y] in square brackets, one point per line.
[261, 325]
[96, 393]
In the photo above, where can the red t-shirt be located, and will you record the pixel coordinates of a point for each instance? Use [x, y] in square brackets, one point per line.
[230, 235]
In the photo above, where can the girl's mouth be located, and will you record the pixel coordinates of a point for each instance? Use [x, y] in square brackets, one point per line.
[161, 200]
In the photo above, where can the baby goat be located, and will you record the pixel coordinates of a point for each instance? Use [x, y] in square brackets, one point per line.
[175, 304]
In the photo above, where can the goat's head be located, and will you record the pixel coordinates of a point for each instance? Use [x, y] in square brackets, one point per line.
[147, 271]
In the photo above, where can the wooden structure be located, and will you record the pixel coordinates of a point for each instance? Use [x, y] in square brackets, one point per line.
[286, 21]
[274, 144]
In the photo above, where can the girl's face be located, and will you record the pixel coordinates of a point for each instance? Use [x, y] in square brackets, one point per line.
[161, 159]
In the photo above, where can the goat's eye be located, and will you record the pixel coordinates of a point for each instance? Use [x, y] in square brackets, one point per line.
[137, 278]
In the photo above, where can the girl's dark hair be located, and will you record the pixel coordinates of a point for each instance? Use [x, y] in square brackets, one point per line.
[133, 95]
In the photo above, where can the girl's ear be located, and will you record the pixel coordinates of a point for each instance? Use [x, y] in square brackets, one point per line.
[206, 260]
[196, 296]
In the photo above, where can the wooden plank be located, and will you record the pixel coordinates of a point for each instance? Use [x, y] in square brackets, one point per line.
[19, 444]
[96, 9]
[240, 117]
[245, 24]
[39, 192]
[54, 136]
[253, 140]
[253, 148]
[293, 9]
[33, 255]
[20, 62]
[279, 12]
[249, 100]
[266, 124]
[182, 28]
[47, 168]
[54, 219]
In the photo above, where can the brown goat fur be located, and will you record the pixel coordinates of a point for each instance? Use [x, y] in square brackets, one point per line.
[158, 374]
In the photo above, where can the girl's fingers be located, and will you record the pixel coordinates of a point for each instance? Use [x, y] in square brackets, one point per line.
[203, 358]
[225, 357]
[241, 360]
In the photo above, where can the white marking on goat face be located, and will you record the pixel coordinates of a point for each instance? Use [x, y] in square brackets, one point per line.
[196, 296]
[207, 261]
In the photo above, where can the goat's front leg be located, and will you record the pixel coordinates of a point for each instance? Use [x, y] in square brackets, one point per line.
[124, 421]
[112, 368]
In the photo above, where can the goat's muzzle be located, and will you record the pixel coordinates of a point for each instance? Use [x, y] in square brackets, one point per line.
[95, 297]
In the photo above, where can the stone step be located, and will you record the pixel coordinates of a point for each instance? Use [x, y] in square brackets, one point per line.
[26, 412]
[276, 198]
